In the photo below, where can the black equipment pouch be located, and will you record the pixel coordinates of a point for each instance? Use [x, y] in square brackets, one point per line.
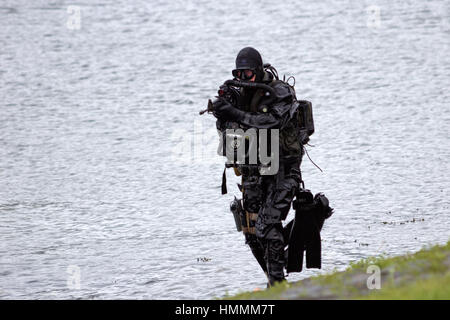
[244, 220]
[296, 132]
[305, 116]
[237, 210]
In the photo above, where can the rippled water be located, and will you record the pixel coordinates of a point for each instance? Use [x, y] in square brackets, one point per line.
[94, 123]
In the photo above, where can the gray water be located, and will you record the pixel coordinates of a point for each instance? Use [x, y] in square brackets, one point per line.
[109, 176]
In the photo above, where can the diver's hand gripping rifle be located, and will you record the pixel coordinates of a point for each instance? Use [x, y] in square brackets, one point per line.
[231, 94]
[209, 109]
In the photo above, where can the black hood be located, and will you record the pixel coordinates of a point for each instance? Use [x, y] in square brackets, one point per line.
[250, 58]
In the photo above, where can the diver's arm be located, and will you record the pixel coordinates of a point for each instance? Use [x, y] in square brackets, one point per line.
[274, 119]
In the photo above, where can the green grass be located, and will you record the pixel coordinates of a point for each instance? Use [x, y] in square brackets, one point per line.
[434, 288]
[422, 275]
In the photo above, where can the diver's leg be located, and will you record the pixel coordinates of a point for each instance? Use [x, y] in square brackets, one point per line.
[273, 247]
[257, 250]
[280, 190]
[251, 194]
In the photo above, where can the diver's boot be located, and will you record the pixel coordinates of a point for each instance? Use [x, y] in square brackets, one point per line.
[257, 250]
[275, 261]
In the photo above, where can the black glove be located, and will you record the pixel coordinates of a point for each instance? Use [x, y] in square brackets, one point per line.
[223, 110]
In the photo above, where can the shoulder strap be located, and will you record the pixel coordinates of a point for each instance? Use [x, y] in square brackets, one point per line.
[224, 181]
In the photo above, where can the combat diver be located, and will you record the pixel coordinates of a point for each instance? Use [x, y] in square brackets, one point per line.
[266, 199]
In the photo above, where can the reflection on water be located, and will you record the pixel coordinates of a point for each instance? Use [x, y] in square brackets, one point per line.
[91, 121]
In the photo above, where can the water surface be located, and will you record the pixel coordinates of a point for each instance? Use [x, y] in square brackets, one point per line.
[106, 166]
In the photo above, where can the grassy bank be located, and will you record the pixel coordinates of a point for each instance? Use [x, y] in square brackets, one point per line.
[422, 275]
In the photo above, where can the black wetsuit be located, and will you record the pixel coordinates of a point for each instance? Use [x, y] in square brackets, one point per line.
[268, 198]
